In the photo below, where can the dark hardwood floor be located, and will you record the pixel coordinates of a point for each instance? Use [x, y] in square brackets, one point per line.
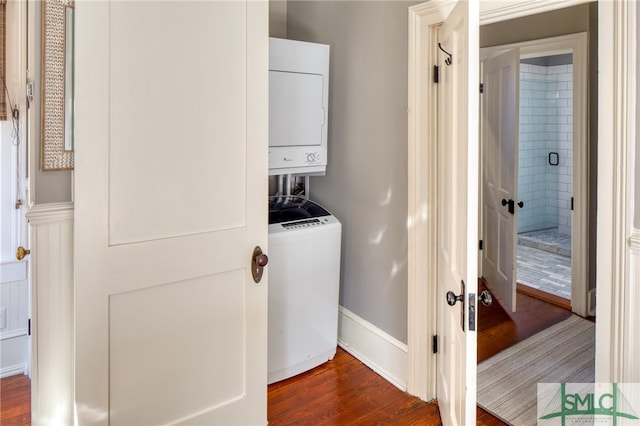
[15, 400]
[346, 392]
[498, 330]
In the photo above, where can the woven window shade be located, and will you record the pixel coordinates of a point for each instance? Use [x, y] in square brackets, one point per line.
[3, 59]
[53, 154]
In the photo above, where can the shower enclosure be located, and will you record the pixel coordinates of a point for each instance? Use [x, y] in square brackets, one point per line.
[545, 174]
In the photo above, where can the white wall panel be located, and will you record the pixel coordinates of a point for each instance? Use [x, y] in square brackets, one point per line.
[51, 233]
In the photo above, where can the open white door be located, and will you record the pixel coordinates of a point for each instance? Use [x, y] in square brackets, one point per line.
[500, 120]
[457, 212]
[171, 198]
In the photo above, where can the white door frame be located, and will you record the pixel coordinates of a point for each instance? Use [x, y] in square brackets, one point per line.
[615, 355]
[576, 44]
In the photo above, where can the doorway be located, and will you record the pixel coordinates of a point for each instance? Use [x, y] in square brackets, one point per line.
[551, 203]
[614, 226]
[552, 173]
[15, 303]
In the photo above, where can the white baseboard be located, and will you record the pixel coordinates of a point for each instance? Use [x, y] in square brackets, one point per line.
[381, 352]
[14, 355]
[591, 302]
[12, 370]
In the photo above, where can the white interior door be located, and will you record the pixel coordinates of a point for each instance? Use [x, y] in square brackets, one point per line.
[500, 112]
[457, 238]
[171, 198]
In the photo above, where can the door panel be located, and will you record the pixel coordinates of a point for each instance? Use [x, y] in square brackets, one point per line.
[192, 388]
[170, 195]
[154, 154]
[500, 111]
[457, 213]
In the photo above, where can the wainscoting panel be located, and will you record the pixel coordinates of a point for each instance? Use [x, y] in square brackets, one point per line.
[14, 314]
[51, 239]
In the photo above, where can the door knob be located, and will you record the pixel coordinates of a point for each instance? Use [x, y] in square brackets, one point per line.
[511, 203]
[452, 299]
[21, 252]
[485, 298]
[521, 204]
[258, 261]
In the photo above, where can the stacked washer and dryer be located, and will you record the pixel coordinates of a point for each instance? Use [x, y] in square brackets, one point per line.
[304, 238]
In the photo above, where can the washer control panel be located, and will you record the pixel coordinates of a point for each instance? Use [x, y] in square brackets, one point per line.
[305, 223]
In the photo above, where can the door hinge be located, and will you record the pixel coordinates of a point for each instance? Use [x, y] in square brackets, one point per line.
[480, 245]
[571, 203]
[436, 74]
[435, 344]
[481, 87]
[29, 327]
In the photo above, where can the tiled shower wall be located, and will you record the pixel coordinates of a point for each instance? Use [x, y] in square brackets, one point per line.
[545, 126]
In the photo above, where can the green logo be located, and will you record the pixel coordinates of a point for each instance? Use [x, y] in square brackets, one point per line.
[580, 406]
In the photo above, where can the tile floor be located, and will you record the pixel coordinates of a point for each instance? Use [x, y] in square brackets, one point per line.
[544, 262]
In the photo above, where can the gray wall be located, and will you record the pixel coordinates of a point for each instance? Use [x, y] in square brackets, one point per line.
[366, 181]
[562, 22]
[49, 187]
[278, 18]
[559, 22]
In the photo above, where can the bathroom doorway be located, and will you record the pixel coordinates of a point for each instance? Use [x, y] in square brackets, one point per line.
[546, 233]
[545, 174]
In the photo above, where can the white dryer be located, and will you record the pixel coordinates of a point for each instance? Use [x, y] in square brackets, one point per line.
[304, 277]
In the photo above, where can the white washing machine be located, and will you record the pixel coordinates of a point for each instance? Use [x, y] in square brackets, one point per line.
[304, 280]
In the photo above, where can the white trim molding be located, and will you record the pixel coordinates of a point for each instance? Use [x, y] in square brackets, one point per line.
[618, 269]
[381, 352]
[501, 10]
[41, 214]
[11, 370]
[631, 338]
[423, 22]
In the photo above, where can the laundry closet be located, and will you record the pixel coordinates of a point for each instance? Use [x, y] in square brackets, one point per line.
[304, 238]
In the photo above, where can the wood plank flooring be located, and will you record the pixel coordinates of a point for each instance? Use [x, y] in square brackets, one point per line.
[15, 400]
[346, 392]
[498, 330]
